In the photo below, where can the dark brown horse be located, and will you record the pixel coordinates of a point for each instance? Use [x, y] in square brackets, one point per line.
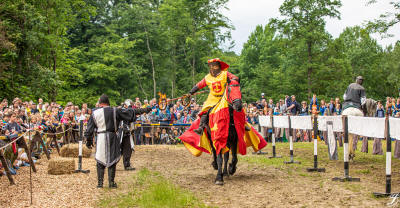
[234, 97]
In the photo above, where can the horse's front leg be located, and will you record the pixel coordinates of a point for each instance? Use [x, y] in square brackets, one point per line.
[214, 152]
[214, 162]
[226, 160]
[232, 166]
[219, 180]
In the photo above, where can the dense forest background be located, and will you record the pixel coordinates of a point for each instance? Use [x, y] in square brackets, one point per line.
[75, 50]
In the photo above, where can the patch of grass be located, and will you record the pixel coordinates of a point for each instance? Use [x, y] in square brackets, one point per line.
[354, 187]
[363, 171]
[165, 194]
[303, 174]
[321, 184]
[150, 189]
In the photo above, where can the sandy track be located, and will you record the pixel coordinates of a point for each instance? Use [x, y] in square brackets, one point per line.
[251, 186]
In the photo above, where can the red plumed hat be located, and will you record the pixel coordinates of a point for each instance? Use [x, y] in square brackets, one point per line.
[224, 66]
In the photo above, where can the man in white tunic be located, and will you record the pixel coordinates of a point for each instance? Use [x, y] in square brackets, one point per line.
[105, 120]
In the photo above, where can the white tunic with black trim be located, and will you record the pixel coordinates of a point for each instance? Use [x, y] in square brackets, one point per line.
[105, 120]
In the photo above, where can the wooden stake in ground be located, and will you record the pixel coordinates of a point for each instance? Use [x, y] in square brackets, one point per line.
[346, 154]
[8, 173]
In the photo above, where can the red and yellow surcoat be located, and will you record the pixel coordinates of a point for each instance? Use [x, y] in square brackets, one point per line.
[217, 87]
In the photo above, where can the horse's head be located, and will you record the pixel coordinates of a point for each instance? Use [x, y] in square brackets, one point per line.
[369, 107]
[234, 95]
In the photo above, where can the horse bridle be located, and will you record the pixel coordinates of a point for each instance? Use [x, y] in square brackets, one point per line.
[229, 90]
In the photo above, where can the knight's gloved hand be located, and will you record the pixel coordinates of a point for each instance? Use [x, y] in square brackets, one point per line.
[89, 144]
[193, 90]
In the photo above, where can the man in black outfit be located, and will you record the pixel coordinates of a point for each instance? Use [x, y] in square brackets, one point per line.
[108, 152]
[126, 145]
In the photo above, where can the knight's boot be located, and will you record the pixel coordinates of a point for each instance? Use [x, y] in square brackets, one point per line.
[111, 176]
[203, 124]
[100, 176]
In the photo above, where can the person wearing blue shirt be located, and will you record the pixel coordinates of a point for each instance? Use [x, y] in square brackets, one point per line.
[380, 111]
[164, 117]
[292, 105]
[322, 108]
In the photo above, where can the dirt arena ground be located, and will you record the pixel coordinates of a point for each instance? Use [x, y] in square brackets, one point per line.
[258, 182]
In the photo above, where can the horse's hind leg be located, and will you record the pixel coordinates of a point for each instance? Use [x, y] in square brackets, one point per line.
[219, 180]
[226, 160]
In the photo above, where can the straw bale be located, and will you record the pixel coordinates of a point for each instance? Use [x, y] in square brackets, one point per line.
[60, 166]
[72, 150]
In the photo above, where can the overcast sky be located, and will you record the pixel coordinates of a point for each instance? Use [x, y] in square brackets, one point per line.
[245, 15]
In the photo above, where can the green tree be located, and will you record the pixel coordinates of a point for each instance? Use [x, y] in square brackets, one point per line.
[304, 26]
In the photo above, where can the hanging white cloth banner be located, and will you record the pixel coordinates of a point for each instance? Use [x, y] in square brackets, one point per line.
[367, 126]
[264, 121]
[332, 144]
[281, 122]
[336, 120]
[394, 124]
[301, 122]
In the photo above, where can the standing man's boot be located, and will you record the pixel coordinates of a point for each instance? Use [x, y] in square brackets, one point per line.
[203, 124]
[111, 176]
[100, 175]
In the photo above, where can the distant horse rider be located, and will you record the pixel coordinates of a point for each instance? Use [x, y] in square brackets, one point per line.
[354, 98]
[106, 119]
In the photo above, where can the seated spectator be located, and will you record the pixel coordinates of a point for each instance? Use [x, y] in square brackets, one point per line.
[164, 137]
[33, 109]
[145, 104]
[164, 117]
[253, 119]
[194, 112]
[179, 106]
[12, 129]
[186, 117]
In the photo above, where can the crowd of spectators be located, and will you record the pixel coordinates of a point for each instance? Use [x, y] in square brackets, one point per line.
[171, 121]
[18, 116]
[290, 106]
[46, 116]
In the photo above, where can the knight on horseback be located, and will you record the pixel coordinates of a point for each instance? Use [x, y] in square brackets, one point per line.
[216, 80]
[221, 128]
[354, 98]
